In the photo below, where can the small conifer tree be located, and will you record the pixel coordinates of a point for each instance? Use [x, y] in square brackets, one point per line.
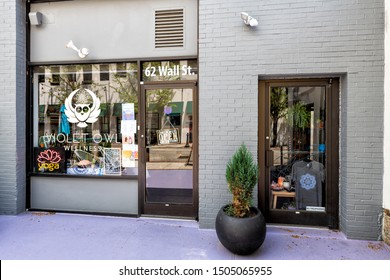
[241, 176]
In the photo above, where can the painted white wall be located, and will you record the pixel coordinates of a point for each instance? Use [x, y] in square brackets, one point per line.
[386, 176]
[116, 29]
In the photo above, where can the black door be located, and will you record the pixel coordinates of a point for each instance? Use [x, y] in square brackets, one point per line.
[298, 151]
[168, 141]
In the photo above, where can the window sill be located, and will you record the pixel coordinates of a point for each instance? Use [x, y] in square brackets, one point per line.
[116, 177]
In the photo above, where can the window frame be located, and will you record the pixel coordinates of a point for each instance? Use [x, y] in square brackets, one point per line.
[78, 74]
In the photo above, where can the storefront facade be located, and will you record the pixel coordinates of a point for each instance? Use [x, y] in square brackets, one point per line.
[129, 117]
[134, 107]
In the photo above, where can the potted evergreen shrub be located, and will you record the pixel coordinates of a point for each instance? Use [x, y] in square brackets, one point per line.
[240, 226]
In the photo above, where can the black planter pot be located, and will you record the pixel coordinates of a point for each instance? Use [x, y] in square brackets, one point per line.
[241, 236]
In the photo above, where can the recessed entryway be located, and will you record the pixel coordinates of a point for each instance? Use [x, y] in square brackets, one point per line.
[298, 151]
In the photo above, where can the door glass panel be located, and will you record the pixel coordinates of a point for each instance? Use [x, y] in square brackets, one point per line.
[168, 128]
[296, 157]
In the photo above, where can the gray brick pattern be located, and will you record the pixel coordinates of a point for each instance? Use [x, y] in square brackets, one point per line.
[294, 38]
[12, 106]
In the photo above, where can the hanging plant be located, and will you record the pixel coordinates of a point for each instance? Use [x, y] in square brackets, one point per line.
[298, 116]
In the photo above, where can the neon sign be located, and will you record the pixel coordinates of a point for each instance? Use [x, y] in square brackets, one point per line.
[50, 160]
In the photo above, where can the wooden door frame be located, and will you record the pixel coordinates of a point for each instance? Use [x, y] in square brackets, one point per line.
[330, 217]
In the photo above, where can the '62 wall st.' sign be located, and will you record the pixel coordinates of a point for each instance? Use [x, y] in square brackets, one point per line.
[168, 71]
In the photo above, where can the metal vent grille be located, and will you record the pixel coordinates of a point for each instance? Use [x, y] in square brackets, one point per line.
[169, 28]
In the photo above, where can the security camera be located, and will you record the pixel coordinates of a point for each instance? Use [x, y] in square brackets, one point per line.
[248, 20]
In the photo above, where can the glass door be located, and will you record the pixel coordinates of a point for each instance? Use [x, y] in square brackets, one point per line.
[300, 152]
[168, 149]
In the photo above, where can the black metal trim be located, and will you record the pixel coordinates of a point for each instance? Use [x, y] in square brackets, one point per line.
[52, 211]
[116, 60]
[160, 209]
[115, 177]
[330, 217]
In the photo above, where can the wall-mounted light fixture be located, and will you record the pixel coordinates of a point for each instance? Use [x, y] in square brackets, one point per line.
[248, 20]
[35, 18]
[83, 52]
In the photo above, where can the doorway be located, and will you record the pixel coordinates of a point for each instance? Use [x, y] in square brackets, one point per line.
[298, 151]
[168, 149]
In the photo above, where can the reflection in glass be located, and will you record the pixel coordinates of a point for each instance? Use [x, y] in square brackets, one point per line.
[88, 112]
[169, 176]
[297, 152]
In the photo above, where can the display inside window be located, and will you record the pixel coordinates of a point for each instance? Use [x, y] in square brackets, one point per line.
[298, 152]
[85, 119]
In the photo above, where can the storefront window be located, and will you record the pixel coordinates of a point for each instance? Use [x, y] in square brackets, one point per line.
[85, 119]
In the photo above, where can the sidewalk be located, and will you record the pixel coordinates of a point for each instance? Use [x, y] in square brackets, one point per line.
[49, 236]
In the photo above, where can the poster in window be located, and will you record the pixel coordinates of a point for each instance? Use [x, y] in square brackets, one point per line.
[128, 139]
[128, 127]
[49, 160]
[129, 155]
[128, 111]
[112, 161]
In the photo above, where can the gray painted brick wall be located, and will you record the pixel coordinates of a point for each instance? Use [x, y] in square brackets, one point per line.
[294, 37]
[12, 106]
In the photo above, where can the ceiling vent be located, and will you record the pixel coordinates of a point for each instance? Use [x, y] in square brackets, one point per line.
[169, 28]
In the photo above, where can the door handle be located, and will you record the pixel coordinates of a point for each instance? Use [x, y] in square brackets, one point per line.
[269, 158]
[143, 144]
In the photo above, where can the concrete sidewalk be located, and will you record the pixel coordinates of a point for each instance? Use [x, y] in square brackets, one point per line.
[49, 236]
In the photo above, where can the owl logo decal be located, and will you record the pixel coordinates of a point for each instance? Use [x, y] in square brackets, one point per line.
[82, 106]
